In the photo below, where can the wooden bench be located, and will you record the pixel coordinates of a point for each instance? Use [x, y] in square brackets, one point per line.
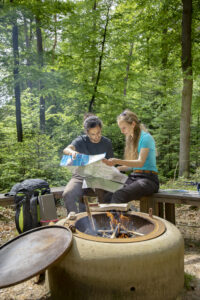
[9, 200]
[162, 203]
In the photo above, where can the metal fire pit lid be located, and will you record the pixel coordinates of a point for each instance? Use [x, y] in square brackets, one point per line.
[32, 252]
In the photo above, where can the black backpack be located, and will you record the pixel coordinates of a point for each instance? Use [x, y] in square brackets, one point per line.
[26, 195]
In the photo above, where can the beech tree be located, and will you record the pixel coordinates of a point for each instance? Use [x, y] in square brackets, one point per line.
[101, 54]
[16, 78]
[40, 63]
[184, 154]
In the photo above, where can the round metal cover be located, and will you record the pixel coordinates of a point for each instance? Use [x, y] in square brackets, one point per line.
[32, 252]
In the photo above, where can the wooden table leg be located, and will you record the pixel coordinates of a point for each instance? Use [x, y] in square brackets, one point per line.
[170, 212]
[161, 210]
[144, 207]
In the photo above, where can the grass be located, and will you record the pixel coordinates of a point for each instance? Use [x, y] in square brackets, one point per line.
[179, 184]
[188, 280]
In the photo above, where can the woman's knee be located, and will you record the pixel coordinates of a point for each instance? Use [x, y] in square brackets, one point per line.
[120, 196]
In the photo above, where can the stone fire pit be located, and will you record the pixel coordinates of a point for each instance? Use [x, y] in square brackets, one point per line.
[149, 265]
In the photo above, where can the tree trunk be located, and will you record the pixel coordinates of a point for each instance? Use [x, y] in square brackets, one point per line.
[94, 41]
[100, 59]
[40, 63]
[55, 38]
[198, 141]
[28, 47]
[16, 82]
[165, 51]
[184, 154]
[127, 68]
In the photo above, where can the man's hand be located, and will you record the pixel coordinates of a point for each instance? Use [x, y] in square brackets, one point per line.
[73, 153]
[70, 151]
[110, 162]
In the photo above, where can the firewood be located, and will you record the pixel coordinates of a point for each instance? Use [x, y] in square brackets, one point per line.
[89, 212]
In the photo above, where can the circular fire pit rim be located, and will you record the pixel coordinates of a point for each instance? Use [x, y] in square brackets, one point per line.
[109, 269]
[159, 229]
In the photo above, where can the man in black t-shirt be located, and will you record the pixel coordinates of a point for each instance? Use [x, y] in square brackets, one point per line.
[91, 144]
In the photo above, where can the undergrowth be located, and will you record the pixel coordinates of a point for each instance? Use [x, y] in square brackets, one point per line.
[188, 280]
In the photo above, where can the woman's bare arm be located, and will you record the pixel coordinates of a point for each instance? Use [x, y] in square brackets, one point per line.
[138, 163]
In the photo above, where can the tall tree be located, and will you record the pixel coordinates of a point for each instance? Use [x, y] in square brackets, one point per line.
[40, 62]
[28, 40]
[55, 38]
[17, 78]
[127, 68]
[109, 4]
[184, 154]
[94, 43]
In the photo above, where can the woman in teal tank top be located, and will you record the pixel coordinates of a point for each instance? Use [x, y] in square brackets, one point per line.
[140, 157]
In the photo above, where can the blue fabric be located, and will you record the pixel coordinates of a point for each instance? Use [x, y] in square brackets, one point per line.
[147, 141]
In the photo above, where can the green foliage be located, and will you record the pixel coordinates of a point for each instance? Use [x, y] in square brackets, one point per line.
[188, 279]
[181, 183]
[140, 70]
[36, 157]
[196, 176]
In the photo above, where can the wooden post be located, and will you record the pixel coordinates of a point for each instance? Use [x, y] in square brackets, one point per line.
[147, 202]
[89, 212]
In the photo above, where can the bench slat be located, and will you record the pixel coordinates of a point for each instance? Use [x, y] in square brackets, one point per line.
[164, 200]
[9, 200]
[190, 195]
[163, 196]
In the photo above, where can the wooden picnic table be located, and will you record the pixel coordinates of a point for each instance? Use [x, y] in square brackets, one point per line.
[163, 203]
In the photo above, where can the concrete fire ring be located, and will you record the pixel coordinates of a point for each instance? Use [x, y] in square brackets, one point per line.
[146, 270]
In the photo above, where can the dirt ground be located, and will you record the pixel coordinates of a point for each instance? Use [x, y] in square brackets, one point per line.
[188, 222]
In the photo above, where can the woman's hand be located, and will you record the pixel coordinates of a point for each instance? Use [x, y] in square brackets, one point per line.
[110, 162]
[123, 168]
[137, 163]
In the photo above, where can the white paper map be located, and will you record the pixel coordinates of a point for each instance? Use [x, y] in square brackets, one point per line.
[96, 173]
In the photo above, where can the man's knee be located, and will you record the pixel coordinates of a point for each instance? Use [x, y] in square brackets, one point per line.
[68, 194]
[72, 193]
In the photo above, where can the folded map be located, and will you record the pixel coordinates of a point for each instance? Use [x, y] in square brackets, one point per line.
[96, 173]
[80, 160]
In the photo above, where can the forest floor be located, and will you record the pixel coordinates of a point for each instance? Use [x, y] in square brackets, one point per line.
[188, 222]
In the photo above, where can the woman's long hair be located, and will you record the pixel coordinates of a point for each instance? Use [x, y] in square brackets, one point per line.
[131, 142]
